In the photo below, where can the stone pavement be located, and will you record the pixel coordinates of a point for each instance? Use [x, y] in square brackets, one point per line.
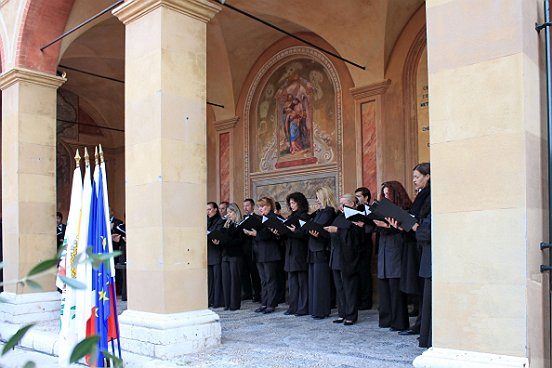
[273, 341]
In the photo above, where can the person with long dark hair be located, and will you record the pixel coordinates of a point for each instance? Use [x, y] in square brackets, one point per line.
[393, 310]
[267, 256]
[318, 256]
[346, 240]
[422, 207]
[296, 256]
[214, 258]
[232, 258]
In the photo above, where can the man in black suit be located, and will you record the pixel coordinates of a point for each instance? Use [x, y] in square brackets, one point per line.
[365, 263]
[251, 282]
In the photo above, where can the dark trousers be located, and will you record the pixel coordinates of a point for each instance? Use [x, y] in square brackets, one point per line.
[419, 300]
[268, 272]
[298, 292]
[231, 282]
[282, 276]
[365, 288]
[214, 286]
[319, 289]
[346, 288]
[251, 282]
[425, 328]
[393, 310]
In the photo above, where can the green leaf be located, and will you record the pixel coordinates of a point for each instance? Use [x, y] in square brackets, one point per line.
[14, 340]
[43, 266]
[97, 259]
[33, 284]
[117, 362]
[88, 346]
[74, 283]
[30, 364]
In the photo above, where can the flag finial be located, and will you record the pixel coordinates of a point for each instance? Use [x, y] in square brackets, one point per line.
[101, 155]
[77, 158]
[86, 157]
[96, 156]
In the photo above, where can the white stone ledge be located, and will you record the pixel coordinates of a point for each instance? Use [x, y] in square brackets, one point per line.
[450, 358]
[27, 308]
[165, 336]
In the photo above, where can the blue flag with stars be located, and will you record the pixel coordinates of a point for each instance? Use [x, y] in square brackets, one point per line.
[101, 277]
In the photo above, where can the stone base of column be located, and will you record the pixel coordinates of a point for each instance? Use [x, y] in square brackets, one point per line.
[20, 309]
[166, 336]
[449, 358]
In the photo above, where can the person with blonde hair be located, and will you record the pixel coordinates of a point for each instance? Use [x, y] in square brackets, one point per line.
[267, 255]
[232, 258]
[318, 257]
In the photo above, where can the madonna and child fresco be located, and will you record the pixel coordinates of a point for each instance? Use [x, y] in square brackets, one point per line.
[295, 116]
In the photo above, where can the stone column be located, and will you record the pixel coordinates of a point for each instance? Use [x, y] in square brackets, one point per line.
[28, 191]
[166, 171]
[488, 151]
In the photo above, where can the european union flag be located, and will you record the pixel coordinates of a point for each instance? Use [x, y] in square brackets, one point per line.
[101, 277]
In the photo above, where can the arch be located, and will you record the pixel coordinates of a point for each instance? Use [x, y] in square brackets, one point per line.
[410, 105]
[43, 21]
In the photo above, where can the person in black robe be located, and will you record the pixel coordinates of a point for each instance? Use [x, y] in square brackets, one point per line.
[251, 282]
[60, 228]
[422, 230]
[393, 310]
[318, 257]
[232, 258]
[214, 258]
[365, 288]
[296, 256]
[267, 255]
[346, 241]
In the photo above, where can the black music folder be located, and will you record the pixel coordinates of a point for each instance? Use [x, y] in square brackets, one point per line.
[352, 214]
[251, 222]
[278, 224]
[311, 225]
[386, 208]
[219, 235]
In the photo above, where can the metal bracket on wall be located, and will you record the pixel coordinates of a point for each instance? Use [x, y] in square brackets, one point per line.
[543, 246]
[540, 26]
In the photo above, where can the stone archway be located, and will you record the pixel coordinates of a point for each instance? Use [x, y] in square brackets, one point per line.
[43, 21]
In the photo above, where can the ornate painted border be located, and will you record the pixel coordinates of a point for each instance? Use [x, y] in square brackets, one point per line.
[291, 53]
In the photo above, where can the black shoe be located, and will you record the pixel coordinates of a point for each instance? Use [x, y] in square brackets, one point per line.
[268, 310]
[288, 313]
[300, 314]
[393, 329]
[348, 323]
[339, 320]
[260, 309]
[409, 332]
[318, 317]
[226, 308]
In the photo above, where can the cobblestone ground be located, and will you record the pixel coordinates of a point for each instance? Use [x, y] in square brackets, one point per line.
[275, 340]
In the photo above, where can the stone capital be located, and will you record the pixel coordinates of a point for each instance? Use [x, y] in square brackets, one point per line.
[374, 89]
[226, 124]
[202, 10]
[17, 75]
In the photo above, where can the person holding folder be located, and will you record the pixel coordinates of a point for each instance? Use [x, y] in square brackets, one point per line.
[422, 209]
[364, 197]
[296, 255]
[346, 240]
[267, 255]
[214, 258]
[393, 310]
[232, 253]
[318, 256]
